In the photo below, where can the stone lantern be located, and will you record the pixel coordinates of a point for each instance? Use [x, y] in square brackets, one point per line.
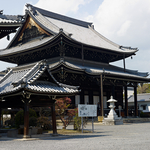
[112, 118]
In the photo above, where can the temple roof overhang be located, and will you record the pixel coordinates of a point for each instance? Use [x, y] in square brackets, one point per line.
[35, 79]
[96, 69]
[42, 42]
[76, 31]
[9, 24]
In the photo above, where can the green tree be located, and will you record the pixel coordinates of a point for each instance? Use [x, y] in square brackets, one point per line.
[143, 88]
[19, 118]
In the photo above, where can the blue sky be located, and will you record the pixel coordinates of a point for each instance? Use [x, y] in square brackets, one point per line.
[125, 22]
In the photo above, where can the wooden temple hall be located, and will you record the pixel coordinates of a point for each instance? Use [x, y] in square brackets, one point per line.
[60, 56]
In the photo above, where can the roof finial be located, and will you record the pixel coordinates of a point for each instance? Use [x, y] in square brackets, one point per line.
[61, 30]
[1, 12]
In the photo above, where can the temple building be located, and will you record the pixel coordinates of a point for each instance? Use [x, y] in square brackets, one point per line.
[9, 24]
[74, 54]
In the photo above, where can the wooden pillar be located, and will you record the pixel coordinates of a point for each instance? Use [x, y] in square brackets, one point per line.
[82, 97]
[102, 100]
[135, 102]
[126, 101]
[54, 119]
[90, 97]
[26, 120]
[0, 117]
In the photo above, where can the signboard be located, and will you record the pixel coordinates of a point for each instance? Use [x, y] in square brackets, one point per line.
[87, 110]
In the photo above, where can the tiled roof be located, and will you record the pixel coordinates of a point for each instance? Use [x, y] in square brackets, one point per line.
[98, 68]
[60, 17]
[140, 97]
[9, 19]
[27, 78]
[81, 31]
[50, 88]
[26, 46]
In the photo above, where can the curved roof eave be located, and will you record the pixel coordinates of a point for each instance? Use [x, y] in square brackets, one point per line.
[131, 52]
[49, 39]
[127, 75]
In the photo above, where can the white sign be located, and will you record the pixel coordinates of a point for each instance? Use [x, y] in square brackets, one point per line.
[87, 110]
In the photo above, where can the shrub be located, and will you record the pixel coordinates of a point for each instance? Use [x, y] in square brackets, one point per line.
[19, 118]
[77, 121]
[33, 121]
[44, 122]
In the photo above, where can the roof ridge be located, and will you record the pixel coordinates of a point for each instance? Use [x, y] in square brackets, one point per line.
[37, 19]
[27, 74]
[41, 19]
[47, 20]
[37, 74]
[59, 16]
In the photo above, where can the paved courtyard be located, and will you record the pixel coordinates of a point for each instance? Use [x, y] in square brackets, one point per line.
[123, 137]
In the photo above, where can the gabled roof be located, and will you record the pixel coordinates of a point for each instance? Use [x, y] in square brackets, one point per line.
[140, 97]
[78, 30]
[27, 78]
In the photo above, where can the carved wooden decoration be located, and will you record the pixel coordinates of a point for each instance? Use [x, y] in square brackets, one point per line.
[30, 31]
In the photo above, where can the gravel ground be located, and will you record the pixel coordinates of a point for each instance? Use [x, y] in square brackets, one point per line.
[128, 136]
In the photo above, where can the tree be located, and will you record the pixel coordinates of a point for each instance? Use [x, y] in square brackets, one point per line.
[143, 88]
[63, 112]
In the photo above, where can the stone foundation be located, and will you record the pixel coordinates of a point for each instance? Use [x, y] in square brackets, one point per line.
[112, 122]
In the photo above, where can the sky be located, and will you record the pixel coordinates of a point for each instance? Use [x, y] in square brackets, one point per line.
[125, 22]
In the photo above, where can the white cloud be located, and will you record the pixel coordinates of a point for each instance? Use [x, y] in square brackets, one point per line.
[124, 27]
[61, 6]
[124, 21]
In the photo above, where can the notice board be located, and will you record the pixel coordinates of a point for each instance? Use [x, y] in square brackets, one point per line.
[87, 110]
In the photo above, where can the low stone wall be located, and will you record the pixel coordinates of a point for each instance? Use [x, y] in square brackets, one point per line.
[19, 132]
[12, 133]
[135, 120]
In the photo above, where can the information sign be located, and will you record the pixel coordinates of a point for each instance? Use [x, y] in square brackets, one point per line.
[87, 110]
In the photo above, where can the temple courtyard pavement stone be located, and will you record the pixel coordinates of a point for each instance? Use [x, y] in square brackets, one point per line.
[130, 136]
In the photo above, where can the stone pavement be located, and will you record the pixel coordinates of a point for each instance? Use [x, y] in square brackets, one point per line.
[135, 136]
